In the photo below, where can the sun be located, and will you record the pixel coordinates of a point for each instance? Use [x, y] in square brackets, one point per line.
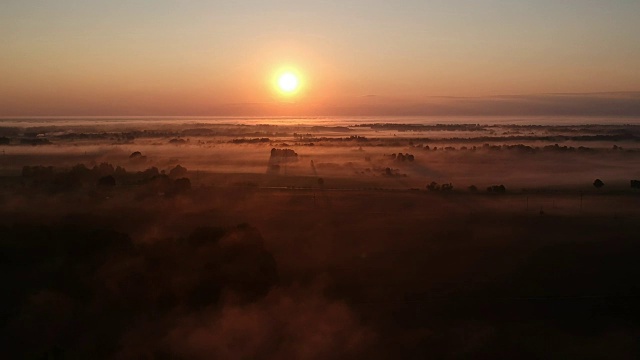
[288, 82]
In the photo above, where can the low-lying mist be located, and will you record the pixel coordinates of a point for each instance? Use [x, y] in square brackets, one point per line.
[375, 242]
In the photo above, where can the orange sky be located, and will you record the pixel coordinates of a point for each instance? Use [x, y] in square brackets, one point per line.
[205, 58]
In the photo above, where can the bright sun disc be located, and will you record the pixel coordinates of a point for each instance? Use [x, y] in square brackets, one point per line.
[288, 82]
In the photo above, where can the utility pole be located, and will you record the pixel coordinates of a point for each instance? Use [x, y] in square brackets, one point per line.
[581, 193]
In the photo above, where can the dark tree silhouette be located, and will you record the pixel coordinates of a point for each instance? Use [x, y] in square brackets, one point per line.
[497, 189]
[473, 188]
[107, 181]
[120, 171]
[402, 157]
[181, 185]
[598, 183]
[178, 172]
[433, 186]
[38, 174]
[285, 153]
[103, 169]
[35, 142]
[160, 184]
[176, 141]
[137, 157]
[149, 173]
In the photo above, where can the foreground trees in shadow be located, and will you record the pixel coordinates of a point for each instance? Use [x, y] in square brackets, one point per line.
[79, 292]
[149, 182]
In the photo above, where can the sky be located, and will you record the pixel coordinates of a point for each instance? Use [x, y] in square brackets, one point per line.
[196, 57]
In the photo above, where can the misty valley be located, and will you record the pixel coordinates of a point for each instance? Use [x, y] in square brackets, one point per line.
[285, 239]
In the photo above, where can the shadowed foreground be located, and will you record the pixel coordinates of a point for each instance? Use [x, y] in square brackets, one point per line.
[321, 275]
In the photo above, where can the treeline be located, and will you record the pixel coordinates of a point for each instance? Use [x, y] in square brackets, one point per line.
[585, 128]
[471, 140]
[403, 157]
[25, 141]
[424, 127]
[448, 187]
[524, 148]
[250, 141]
[135, 134]
[105, 176]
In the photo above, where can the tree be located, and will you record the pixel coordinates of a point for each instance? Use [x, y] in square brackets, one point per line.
[160, 184]
[598, 183]
[433, 186]
[107, 181]
[103, 169]
[137, 157]
[182, 185]
[177, 172]
[497, 189]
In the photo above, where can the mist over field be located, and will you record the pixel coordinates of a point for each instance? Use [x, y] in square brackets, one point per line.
[275, 239]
